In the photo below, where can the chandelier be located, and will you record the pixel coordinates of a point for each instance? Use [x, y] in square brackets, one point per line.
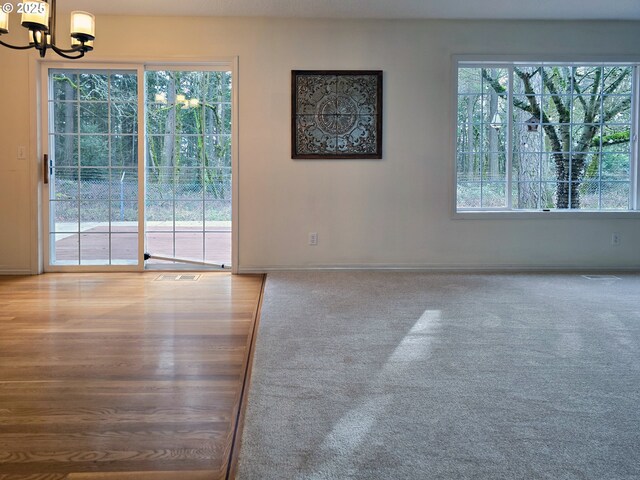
[39, 17]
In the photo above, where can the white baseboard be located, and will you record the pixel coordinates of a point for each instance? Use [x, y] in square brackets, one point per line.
[440, 268]
[16, 272]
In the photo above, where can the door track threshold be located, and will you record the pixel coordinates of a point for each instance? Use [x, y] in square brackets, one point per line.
[148, 256]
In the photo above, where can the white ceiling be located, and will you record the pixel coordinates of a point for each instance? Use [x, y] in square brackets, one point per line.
[400, 9]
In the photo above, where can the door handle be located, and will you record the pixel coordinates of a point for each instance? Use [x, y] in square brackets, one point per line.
[46, 169]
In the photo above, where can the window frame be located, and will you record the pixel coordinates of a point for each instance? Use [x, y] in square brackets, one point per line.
[508, 62]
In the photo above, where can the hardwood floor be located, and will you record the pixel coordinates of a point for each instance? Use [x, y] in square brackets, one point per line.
[122, 376]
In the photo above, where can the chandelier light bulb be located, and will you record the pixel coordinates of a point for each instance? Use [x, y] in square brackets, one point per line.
[4, 22]
[83, 26]
[35, 15]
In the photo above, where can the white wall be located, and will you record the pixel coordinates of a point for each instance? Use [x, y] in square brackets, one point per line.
[16, 227]
[373, 213]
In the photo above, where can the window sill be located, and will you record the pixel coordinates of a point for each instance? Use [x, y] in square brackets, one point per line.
[539, 214]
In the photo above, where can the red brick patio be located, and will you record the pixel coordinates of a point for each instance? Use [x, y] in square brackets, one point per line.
[189, 242]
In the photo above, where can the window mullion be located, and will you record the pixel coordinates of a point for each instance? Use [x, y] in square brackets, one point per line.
[481, 148]
[634, 170]
[572, 130]
[110, 164]
[601, 127]
[509, 139]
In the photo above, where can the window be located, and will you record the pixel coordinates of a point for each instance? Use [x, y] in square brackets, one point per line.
[545, 136]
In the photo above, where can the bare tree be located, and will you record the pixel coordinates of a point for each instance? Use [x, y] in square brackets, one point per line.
[581, 99]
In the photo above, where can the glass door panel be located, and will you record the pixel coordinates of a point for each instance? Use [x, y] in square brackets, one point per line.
[188, 167]
[93, 167]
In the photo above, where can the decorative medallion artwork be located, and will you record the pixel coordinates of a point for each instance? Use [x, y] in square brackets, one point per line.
[336, 114]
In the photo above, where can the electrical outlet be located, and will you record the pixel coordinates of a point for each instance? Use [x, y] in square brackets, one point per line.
[616, 239]
[313, 238]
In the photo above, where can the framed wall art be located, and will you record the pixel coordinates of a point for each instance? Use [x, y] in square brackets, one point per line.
[336, 114]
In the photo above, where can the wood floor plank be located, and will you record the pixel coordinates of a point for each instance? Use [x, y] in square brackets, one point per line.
[120, 376]
[34, 476]
[183, 475]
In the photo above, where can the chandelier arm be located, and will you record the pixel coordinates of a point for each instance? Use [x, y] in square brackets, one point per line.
[63, 53]
[15, 47]
[63, 50]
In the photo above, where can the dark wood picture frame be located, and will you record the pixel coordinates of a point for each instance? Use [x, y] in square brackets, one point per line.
[336, 114]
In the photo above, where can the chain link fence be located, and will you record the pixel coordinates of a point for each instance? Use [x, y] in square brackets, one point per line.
[113, 197]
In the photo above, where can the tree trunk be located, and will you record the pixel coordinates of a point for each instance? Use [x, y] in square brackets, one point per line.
[470, 156]
[70, 112]
[168, 154]
[494, 166]
[527, 167]
[569, 179]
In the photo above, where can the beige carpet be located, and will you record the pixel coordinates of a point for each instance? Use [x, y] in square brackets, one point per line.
[386, 375]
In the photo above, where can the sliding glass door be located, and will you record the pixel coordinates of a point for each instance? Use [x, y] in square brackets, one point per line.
[105, 209]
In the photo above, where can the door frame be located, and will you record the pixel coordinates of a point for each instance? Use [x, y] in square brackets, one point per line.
[40, 120]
